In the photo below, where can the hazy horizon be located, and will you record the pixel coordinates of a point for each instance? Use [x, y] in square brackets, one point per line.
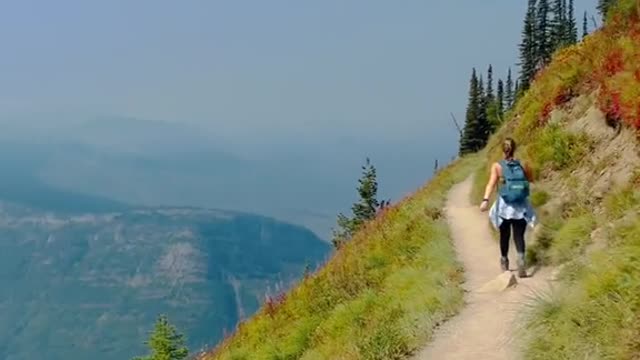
[299, 93]
[255, 70]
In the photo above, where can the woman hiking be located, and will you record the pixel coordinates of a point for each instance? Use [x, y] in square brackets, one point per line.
[512, 211]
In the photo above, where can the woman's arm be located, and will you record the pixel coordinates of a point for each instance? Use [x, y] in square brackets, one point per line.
[493, 180]
[491, 185]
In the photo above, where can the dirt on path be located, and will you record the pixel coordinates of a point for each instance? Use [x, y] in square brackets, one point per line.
[488, 326]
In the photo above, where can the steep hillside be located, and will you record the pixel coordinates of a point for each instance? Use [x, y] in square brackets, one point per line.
[382, 295]
[378, 298]
[578, 128]
[89, 286]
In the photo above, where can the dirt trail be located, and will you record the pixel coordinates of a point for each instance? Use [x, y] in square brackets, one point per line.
[487, 325]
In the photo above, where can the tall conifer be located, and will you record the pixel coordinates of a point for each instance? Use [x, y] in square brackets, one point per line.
[557, 31]
[572, 24]
[484, 125]
[544, 46]
[500, 98]
[604, 6]
[490, 95]
[508, 91]
[528, 48]
[470, 141]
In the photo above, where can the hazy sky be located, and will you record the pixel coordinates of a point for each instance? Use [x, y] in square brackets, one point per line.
[258, 68]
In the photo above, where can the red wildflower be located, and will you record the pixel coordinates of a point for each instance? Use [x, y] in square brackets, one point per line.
[546, 112]
[614, 63]
[563, 97]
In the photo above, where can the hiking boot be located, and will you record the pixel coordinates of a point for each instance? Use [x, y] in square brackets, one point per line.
[522, 271]
[504, 263]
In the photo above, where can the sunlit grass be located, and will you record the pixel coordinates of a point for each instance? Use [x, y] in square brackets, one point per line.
[379, 297]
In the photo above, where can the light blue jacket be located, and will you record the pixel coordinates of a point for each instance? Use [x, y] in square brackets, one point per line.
[501, 210]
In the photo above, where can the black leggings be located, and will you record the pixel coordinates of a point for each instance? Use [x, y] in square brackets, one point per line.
[519, 226]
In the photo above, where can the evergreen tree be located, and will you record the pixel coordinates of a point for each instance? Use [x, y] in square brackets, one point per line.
[367, 207]
[489, 93]
[563, 29]
[470, 140]
[585, 25]
[544, 46]
[508, 92]
[364, 210]
[604, 6]
[558, 24]
[494, 107]
[572, 24]
[519, 91]
[484, 125]
[528, 48]
[500, 98]
[165, 343]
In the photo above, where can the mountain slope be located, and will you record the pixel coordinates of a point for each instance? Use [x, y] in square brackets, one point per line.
[379, 297]
[578, 128]
[89, 285]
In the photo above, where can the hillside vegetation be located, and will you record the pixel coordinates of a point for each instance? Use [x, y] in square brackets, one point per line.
[379, 297]
[577, 127]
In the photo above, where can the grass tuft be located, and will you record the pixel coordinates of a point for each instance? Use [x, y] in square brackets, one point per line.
[571, 238]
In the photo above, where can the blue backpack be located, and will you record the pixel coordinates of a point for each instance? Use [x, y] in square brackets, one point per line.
[515, 186]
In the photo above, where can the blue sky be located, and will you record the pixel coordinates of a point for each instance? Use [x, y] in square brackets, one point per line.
[256, 69]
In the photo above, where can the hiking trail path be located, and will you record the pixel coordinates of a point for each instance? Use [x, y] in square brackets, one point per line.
[487, 326]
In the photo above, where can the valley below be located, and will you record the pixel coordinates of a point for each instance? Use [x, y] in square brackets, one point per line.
[90, 285]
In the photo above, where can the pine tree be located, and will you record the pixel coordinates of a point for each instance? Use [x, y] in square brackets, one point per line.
[165, 343]
[367, 207]
[500, 98]
[470, 140]
[571, 24]
[528, 48]
[489, 93]
[364, 210]
[508, 93]
[484, 125]
[604, 6]
[542, 32]
[495, 109]
[519, 91]
[585, 25]
[557, 24]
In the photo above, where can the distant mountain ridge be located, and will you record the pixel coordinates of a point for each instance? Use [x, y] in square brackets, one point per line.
[89, 285]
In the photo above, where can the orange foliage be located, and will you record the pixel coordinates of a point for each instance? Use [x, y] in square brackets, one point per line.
[607, 61]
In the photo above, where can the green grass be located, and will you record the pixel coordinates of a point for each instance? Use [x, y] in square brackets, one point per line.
[557, 148]
[539, 197]
[596, 315]
[571, 238]
[538, 252]
[622, 202]
[379, 297]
